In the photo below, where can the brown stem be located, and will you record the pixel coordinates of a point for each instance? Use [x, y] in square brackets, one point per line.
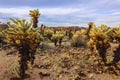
[35, 21]
[116, 55]
[60, 41]
[55, 42]
[32, 57]
[102, 52]
[24, 57]
[88, 30]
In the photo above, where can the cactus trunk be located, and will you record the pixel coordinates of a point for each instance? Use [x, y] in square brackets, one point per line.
[24, 57]
[60, 42]
[89, 28]
[35, 21]
[116, 55]
[102, 52]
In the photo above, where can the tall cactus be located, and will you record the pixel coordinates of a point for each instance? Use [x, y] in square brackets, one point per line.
[25, 39]
[116, 35]
[35, 15]
[90, 24]
[100, 39]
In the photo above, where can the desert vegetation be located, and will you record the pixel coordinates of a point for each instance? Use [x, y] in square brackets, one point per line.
[33, 52]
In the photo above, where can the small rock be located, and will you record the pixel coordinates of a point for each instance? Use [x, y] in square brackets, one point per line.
[90, 75]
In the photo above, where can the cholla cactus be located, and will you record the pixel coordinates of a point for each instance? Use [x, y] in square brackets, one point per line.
[57, 37]
[99, 39]
[25, 39]
[48, 33]
[35, 15]
[81, 33]
[116, 35]
[90, 24]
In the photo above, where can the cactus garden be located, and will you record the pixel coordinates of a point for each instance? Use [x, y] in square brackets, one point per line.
[30, 51]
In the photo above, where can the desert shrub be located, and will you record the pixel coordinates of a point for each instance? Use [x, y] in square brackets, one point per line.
[78, 41]
[44, 46]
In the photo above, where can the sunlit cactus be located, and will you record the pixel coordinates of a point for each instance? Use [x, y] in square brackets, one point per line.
[99, 39]
[35, 15]
[25, 39]
[81, 32]
[54, 36]
[48, 33]
[116, 35]
[57, 37]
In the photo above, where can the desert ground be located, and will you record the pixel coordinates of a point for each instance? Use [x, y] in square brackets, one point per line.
[55, 63]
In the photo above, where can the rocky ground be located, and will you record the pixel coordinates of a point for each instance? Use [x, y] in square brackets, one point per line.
[57, 63]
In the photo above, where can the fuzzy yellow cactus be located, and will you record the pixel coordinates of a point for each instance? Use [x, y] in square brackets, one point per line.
[35, 15]
[99, 38]
[58, 36]
[25, 39]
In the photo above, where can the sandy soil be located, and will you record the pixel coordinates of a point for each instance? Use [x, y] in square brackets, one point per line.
[54, 64]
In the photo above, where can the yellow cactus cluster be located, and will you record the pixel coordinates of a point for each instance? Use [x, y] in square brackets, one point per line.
[99, 36]
[91, 43]
[116, 33]
[20, 33]
[58, 35]
[48, 32]
[91, 23]
[25, 39]
[80, 33]
[34, 13]
[99, 41]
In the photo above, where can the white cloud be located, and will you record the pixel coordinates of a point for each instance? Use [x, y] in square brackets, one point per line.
[14, 11]
[58, 11]
[44, 11]
[116, 13]
[69, 16]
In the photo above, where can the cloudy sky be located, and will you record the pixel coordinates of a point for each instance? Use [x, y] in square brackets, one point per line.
[64, 12]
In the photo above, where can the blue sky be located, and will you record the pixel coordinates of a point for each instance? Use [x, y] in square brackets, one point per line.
[64, 12]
